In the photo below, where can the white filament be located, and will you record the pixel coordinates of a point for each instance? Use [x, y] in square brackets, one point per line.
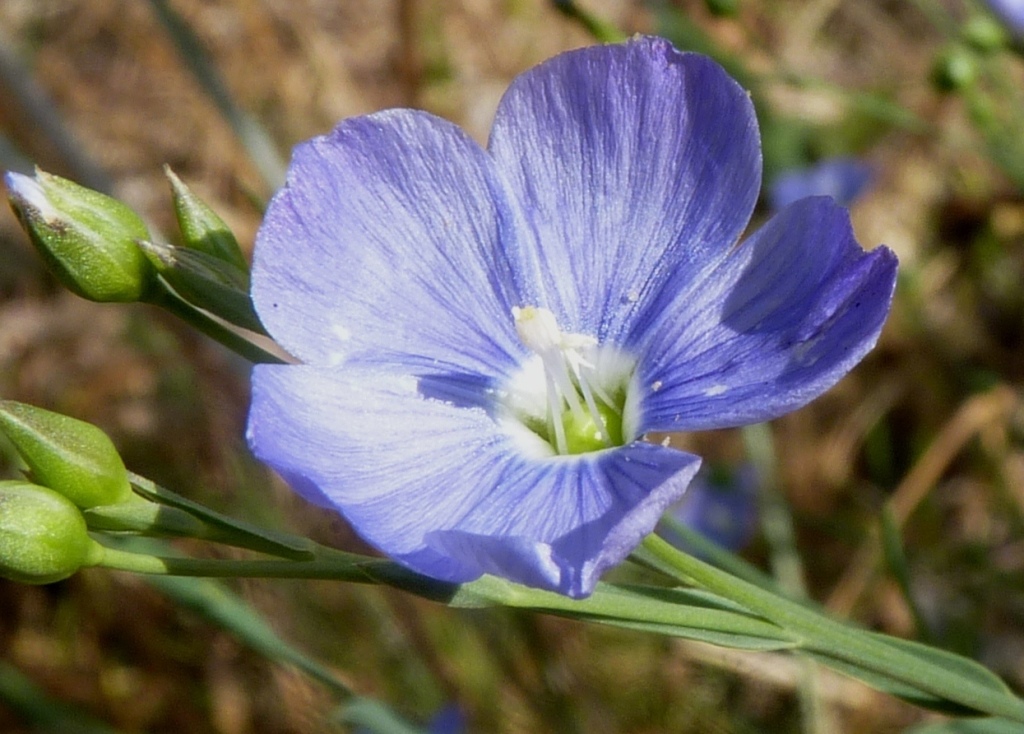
[568, 372]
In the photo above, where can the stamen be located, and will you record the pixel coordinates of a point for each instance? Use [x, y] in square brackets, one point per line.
[595, 414]
[555, 424]
[537, 328]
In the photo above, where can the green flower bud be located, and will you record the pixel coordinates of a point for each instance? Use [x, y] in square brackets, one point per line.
[723, 7]
[955, 70]
[87, 239]
[985, 33]
[69, 456]
[206, 281]
[201, 228]
[43, 536]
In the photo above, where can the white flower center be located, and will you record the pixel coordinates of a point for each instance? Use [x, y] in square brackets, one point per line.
[573, 393]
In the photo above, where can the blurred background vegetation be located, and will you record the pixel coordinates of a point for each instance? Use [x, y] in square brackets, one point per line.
[926, 432]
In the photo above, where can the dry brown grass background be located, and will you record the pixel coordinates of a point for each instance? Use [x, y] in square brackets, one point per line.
[930, 422]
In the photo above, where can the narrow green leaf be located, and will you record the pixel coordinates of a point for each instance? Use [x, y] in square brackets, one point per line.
[683, 613]
[167, 298]
[955, 665]
[716, 615]
[905, 668]
[248, 535]
[697, 634]
[894, 687]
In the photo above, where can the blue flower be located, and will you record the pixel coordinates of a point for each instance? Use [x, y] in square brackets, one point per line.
[488, 334]
[721, 506]
[844, 179]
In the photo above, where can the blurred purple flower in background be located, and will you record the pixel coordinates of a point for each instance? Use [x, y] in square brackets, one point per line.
[844, 179]
[448, 720]
[488, 334]
[1011, 13]
[372, 719]
[721, 505]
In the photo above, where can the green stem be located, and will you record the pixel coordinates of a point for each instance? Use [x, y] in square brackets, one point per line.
[329, 565]
[612, 604]
[833, 640]
[718, 556]
[609, 604]
[213, 328]
[143, 517]
[208, 524]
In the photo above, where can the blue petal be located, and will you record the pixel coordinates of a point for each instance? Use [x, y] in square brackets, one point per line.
[767, 328]
[439, 486]
[630, 161]
[387, 244]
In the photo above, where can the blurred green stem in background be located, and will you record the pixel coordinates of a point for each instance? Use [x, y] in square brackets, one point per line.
[250, 133]
[780, 534]
[596, 26]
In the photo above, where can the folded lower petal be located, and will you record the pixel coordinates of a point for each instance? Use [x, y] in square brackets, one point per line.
[630, 161]
[767, 328]
[388, 243]
[429, 476]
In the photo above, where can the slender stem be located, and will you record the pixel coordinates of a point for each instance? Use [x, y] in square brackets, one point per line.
[330, 565]
[608, 604]
[213, 328]
[612, 604]
[833, 639]
[718, 556]
[212, 525]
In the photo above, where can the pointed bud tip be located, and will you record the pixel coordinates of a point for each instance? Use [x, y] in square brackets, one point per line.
[87, 238]
[201, 227]
[71, 457]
